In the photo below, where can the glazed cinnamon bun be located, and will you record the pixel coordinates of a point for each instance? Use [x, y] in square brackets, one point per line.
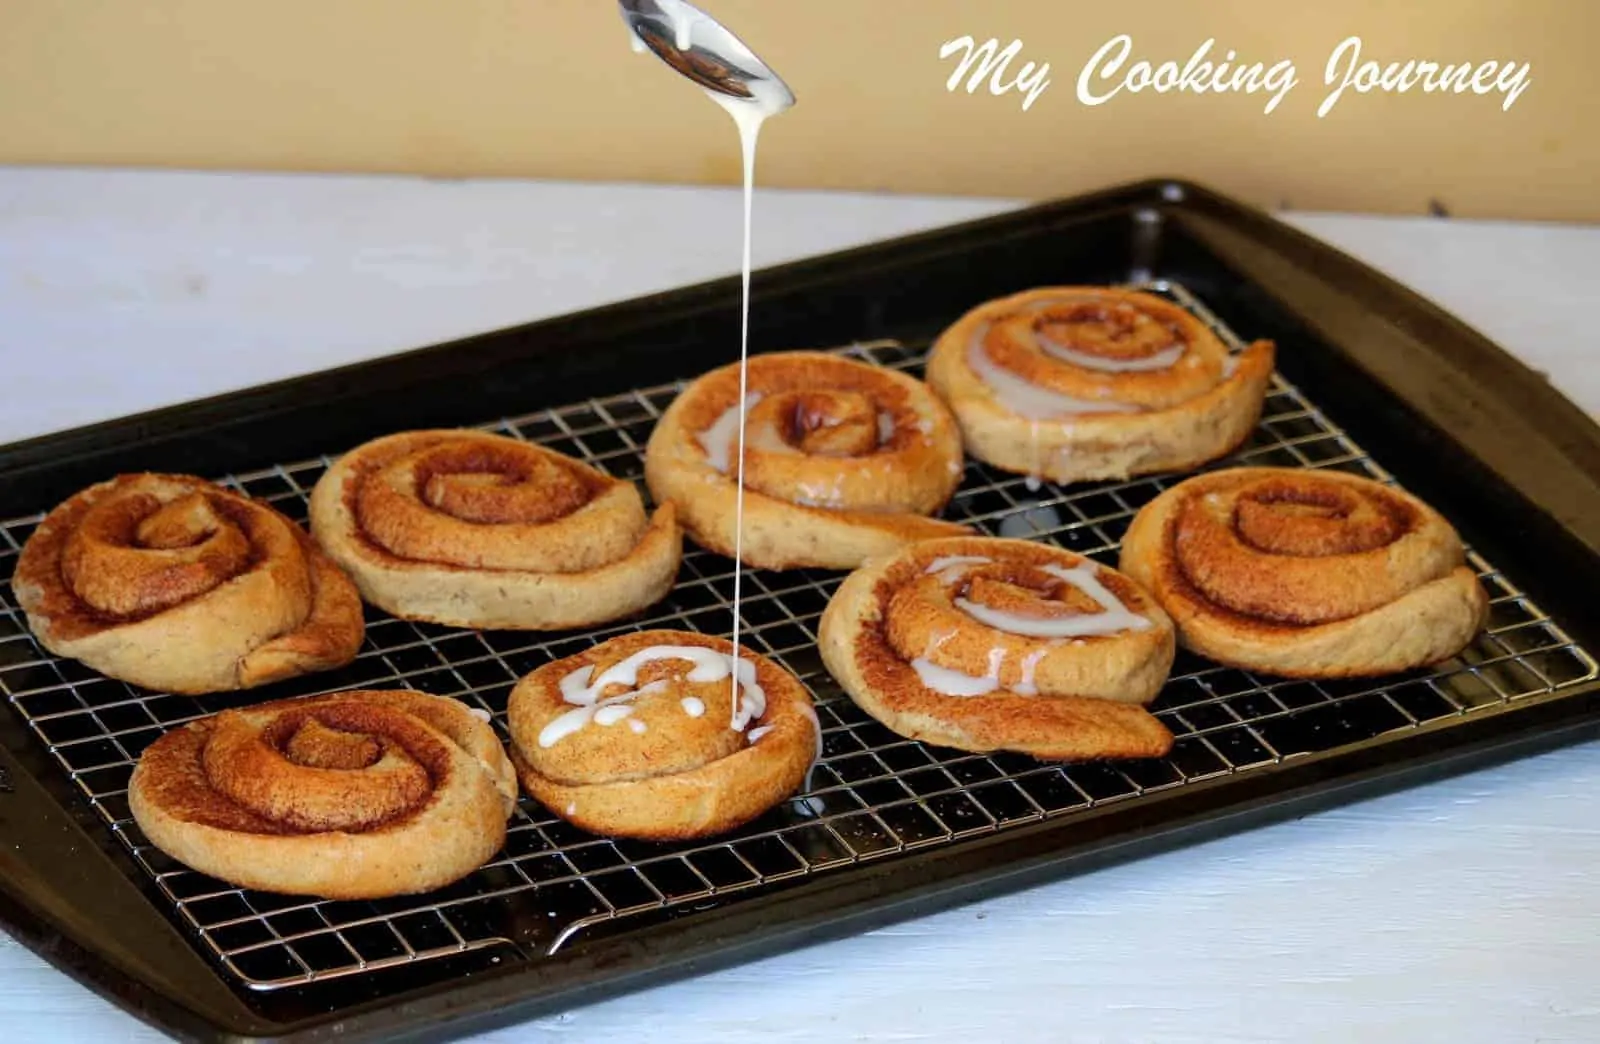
[652, 735]
[1078, 383]
[842, 460]
[988, 644]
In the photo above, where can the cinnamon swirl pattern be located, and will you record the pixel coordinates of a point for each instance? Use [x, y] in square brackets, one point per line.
[475, 530]
[357, 795]
[650, 736]
[1314, 574]
[1079, 383]
[173, 583]
[984, 645]
[842, 460]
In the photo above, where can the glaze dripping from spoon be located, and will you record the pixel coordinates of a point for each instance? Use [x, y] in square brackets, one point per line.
[697, 46]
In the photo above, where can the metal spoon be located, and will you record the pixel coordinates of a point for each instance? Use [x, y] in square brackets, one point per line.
[697, 45]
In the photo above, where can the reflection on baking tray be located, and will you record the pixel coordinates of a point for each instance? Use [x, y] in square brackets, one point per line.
[871, 796]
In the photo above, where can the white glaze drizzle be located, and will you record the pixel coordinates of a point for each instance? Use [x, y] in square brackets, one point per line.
[611, 713]
[1035, 476]
[682, 17]
[588, 709]
[767, 98]
[755, 734]
[935, 642]
[816, 728]
[564, 725]
[947, 682]
[813, 804]
[945, 561]
[1026, 399]
[809, 806]
[821, 496]
[950, 568]
[1159, 361]
[1030, 664]
[1036, 518]
[1114, 616]
[997, 657]
[1086, 360]
[751, 698]
[581, 689]
[692, 706]
[717, 439]
[639, 728]
[479, 713]
[885, 428]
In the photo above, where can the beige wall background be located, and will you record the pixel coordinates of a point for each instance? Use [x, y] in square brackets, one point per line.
[549, 88]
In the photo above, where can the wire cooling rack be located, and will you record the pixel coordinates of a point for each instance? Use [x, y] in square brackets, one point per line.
[872, 794]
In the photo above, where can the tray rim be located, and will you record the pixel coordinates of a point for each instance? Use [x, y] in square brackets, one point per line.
[1326, 779]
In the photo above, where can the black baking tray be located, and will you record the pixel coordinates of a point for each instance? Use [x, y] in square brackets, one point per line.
[1514, 464]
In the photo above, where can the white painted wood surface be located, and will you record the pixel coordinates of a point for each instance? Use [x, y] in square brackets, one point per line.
[1461, 911]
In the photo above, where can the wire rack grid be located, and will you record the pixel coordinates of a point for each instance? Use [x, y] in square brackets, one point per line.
[871, 795]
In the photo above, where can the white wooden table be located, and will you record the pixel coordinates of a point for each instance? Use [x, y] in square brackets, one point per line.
[1461, 911]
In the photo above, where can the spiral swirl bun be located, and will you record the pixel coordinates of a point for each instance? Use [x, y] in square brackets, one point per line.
[1306, 573]
[643, 736]
[357, 795]
[1079, 383]
[475, 530]
[174, 583]
[842, 460]
[985, 645]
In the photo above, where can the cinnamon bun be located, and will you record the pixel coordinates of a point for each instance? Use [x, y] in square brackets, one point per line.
[842, 461]
[990, 644]
[171, 582]
[1315, 574]
[356, 795]
[475, 530]
[1080, 383]
[649, 735]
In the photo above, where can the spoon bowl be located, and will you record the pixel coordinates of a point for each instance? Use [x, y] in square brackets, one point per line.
[702, 50]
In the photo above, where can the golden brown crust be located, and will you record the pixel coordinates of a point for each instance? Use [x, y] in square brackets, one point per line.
[354, 795]
[1314, 574]
[1095, 383]
[842, 460]
[475, 530]
[175, 583]
[1048, 695]
[673, 765]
